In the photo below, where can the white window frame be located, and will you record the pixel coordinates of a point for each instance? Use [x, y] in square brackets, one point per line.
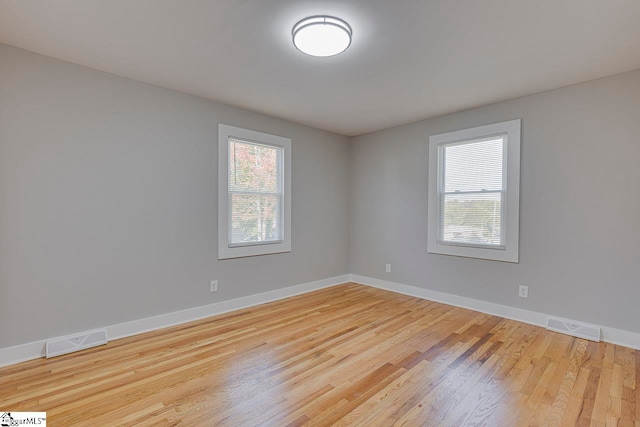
[225, 249]
[509, 251]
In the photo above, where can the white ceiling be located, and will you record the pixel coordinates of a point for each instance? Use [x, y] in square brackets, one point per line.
[409, 59]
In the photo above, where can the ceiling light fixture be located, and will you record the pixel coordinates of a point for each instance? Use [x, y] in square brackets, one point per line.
[322, 35]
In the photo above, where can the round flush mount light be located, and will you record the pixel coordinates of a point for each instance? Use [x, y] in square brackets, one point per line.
[322, 35]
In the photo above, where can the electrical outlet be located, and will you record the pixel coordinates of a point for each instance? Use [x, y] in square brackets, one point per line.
[388, 268]
[214, 286]
[523, 292]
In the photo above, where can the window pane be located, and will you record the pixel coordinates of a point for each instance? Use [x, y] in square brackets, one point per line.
[474, 166]
[253, 167]
[472, 218]
[255, 218]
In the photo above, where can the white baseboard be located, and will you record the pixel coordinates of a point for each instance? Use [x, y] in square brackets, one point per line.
[34, 350]
[610, 335]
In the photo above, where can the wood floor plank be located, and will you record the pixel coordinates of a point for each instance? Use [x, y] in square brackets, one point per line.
[345, 355]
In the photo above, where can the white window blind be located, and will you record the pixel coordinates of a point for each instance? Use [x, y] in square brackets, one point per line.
[255, 193]
[472, 191]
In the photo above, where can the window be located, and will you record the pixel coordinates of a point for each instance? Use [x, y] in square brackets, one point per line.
[474, 187]
[254, 193]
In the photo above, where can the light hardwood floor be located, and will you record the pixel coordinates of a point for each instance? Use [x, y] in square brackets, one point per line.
[346, 355]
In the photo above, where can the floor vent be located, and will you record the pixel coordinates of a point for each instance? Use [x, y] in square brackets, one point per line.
[574, 328]
[77, 342]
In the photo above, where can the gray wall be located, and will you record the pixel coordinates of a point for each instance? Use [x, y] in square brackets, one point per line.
[580, 205]
[108, 201]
